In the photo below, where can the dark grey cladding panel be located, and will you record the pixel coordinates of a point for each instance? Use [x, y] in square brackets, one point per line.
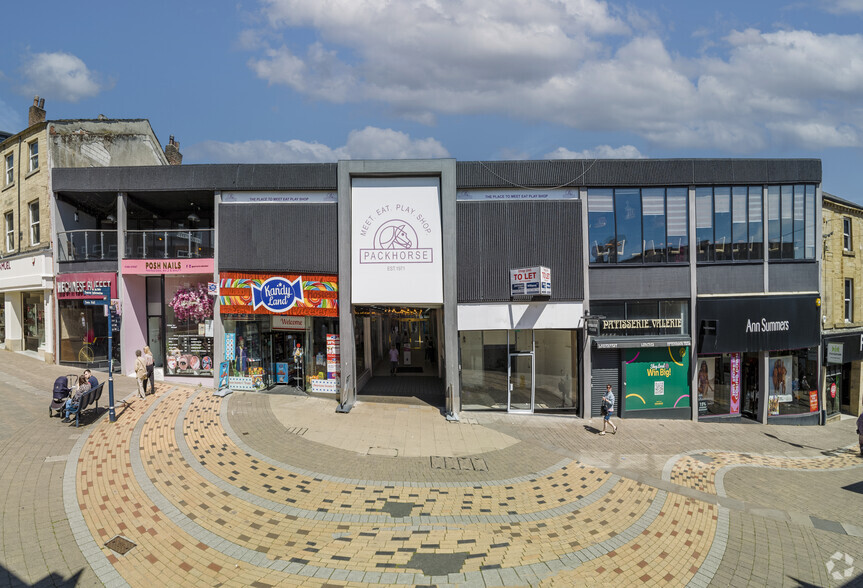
[311, 176]
[494, 237]
[634, 172]
[730, 279]
[88, 267]
[632, 283]
[793, 277]
[278, 237]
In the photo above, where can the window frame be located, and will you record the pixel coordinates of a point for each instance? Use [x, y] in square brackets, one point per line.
[34, 225]
[849, 300]
[9, 168]
[847, 242]
[9, 230]
[33, 149]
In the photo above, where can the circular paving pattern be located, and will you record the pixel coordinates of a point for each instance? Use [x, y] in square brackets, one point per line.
[204, 507]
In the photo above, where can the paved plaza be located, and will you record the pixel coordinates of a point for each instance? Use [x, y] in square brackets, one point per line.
[189, 489]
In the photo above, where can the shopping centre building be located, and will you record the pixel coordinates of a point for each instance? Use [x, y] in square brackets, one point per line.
[691, 286]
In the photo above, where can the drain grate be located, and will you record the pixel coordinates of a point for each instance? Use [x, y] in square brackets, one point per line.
[476, 464]
[298, 430]
[120, 545]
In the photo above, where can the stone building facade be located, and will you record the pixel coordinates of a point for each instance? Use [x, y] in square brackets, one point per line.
[842, 305]
[27, 261]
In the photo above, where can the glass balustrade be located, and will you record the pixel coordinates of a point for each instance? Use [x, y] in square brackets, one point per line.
[169, 244]
[87, 245]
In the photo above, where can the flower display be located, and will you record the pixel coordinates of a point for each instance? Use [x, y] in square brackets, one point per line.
[192, 304]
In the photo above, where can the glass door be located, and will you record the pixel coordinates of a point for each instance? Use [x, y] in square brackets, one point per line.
[520, 396]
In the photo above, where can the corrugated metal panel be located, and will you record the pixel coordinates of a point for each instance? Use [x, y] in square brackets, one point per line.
[635, 282]
[793, 277]
[278, 237]
[730, 279]
[494, 237]
[634, 172]
[606, 370]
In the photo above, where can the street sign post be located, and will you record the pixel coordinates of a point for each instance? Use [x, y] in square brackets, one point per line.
[102, 297]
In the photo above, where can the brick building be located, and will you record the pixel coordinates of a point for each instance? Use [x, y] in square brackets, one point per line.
[27, 262]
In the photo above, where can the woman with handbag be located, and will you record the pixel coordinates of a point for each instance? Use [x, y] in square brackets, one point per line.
[140, 372]
[608, 410]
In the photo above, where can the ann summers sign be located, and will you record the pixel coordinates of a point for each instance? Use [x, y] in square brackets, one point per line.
[756, 323]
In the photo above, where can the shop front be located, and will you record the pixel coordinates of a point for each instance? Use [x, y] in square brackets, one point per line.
[279, 329]
[643, 351]
[843, 354]
[520, 357]
[82, 331]
[168, 306]
[26, 290]
[758, 358]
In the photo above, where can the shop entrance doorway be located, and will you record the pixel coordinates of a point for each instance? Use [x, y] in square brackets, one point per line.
[287, 364]
[520, 398]
[410, 336]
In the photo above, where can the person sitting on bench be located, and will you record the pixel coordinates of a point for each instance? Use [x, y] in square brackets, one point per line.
[91, 378]
[83, 388]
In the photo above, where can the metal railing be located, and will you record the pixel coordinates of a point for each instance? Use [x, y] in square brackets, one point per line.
[87, 245]
[170, 243]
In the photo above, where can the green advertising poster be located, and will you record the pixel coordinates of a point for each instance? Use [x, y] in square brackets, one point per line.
[656, 378]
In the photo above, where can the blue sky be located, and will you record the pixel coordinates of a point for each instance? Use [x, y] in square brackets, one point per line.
[323, 80]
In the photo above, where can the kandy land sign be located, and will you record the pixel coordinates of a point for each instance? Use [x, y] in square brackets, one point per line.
[290, 294]
[396, 241]
[530, 281]
[656, 378]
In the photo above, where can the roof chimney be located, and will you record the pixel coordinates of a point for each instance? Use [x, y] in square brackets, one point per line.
[172, 152]
[37, 112]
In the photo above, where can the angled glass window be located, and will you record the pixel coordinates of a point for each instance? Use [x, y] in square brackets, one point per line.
[34, 155]
[704, 223]
[627, 214]
[677, 206]
[786, 227]
[810, 223]
[756, 223]
[774, 235]
[600, 219]
[739, 232]
[846, 233]
[653, 211]
[799, 215]
[722, 223]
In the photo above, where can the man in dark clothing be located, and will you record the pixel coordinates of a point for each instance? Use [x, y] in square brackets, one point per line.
[860, 432]
[91, 378]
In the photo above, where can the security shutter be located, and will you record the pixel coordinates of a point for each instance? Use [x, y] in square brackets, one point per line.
[606, 370]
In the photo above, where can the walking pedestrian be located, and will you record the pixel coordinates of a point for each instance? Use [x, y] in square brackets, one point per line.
[394, 359]
[860, 432]
[608, 410]
[151, 366]
[140, 372]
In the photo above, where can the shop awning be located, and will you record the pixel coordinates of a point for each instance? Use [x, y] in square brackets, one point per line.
[629, 342]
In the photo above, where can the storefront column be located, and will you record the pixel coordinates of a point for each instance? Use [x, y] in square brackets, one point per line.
[856, 406]
[763, 385]
[218, 327]
[48, 350]
[14, 321]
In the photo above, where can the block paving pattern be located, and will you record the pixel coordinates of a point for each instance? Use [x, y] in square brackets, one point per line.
[204, 510]
[703, 470]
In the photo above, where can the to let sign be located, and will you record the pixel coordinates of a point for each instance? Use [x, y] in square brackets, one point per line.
[530, 281]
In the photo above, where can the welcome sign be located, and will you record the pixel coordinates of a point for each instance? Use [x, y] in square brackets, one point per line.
[298, 295]
[396, 253]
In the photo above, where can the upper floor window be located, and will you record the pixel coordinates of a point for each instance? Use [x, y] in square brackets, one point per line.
[34, 223]
[729, 223]
[10, 231]
[632, 225]
[846, 234]
[10, 167]
[791, 221]
[34, 155]
[849, 301]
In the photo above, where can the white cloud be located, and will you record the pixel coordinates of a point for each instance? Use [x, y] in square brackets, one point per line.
[843, 6]
[60, 76]
[598, 152]
[367, 143]
[577, 63]
[10, 121]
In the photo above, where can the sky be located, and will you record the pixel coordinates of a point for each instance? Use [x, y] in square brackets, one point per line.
[282, 81]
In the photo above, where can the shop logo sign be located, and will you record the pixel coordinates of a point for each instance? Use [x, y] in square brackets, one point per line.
[840, 566]
[397, 240]
[277, 294]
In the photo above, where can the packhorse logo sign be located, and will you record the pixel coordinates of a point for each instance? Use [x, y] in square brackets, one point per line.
[397, 241]
[277, 294]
